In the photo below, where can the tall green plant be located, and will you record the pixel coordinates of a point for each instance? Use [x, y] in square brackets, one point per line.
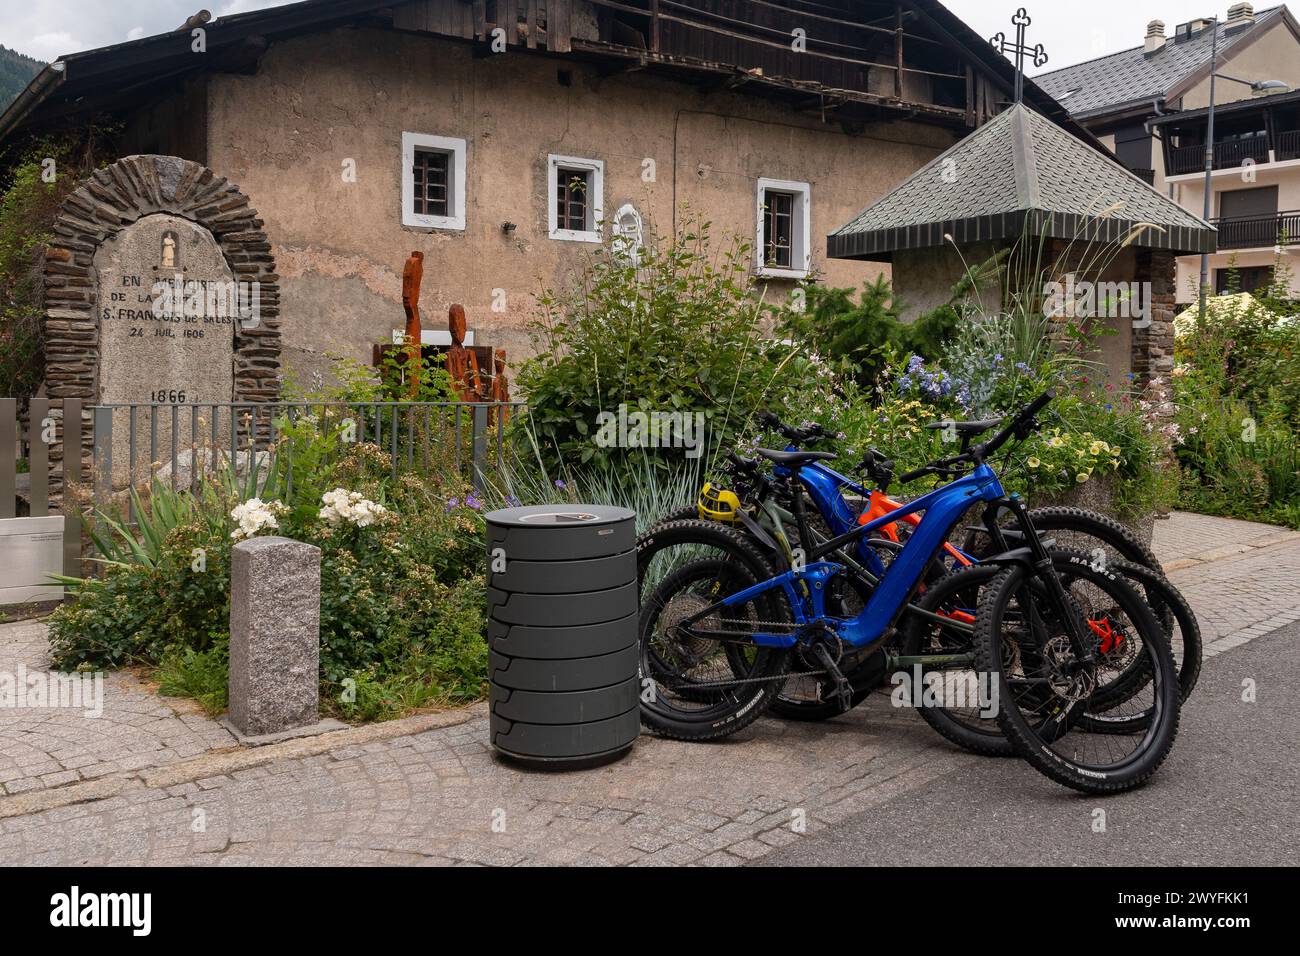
[30, 198]
[865, 337]
[675, 329]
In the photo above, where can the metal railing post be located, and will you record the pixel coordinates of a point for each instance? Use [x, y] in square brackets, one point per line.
[8, 457]
[480, 428]
[103, 456]
[39, 457]
[71, 475]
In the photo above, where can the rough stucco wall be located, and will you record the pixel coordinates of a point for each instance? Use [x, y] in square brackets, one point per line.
[1275, 55]
[284, 133]
[924, 278]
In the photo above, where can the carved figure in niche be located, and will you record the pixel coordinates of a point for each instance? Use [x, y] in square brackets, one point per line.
[462, 364]
[169, 259]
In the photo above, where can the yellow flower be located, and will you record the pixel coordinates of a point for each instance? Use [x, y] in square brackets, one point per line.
[1098, 447]
[1033, 462]
[1083, 476]
[1055, 441]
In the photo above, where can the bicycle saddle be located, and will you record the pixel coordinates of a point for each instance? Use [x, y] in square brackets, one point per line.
[966, 428]
[796, 457]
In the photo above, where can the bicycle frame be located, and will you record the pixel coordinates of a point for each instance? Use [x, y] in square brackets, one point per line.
[805, 588]
[826, 487]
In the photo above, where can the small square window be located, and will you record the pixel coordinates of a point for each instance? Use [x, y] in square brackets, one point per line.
[432, 191]
[784, 229]
[575, 190]
[433, 181]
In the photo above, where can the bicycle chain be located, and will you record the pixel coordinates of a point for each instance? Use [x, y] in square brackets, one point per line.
[709, 685]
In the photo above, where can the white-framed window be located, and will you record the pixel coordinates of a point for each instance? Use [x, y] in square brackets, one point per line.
[575, 198]
[433, 181]
[784, 238]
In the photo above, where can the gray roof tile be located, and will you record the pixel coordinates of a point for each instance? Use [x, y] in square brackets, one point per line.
[1131, 76]
[1021, 171]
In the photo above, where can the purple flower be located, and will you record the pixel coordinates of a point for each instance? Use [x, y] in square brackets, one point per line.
[472, 502]
[453, 503]
[559, 483]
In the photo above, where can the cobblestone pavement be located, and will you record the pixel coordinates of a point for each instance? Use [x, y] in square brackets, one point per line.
[1242, 579]
[440, 796]
[44, 747]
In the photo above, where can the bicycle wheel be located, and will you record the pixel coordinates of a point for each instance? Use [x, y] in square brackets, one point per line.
[706, 679]
[1107, 542]
[1183, 634]
[1078, 529]
[955, 710]
[1043, 689]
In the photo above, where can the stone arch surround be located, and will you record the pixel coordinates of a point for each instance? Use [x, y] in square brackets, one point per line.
[113, 198]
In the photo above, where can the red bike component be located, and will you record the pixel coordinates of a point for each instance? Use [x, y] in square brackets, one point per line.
[963, 616]
[1104, 629]
[881, 505]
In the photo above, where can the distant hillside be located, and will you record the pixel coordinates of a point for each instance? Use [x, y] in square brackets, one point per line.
[16, 71]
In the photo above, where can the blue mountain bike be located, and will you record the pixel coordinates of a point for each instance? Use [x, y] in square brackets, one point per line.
[719, 630]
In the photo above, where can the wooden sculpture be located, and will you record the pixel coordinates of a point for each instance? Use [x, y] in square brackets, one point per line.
[500, 388]
[412, 276]
[462, 364]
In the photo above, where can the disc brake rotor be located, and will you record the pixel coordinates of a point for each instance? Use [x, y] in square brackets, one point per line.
[1065, 680]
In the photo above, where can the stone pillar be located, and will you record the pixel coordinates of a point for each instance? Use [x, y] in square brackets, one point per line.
[1152, 348]
[274, 636]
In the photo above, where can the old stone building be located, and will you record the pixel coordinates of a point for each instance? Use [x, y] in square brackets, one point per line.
[504, 139]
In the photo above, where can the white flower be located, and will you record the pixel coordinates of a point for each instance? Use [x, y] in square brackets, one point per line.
[343, 505]
[254, 516]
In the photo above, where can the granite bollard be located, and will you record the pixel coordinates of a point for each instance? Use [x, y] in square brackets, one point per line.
[274, 637]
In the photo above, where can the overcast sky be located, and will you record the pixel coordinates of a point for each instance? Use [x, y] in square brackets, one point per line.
[1071, 31]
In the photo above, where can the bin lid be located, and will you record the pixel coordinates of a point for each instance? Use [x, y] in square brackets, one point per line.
[559, 516]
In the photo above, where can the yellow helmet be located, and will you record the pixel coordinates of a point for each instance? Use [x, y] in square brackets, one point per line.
[719, 504]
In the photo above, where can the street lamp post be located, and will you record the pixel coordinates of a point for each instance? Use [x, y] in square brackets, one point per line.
[1258, 88]
[1209, 163]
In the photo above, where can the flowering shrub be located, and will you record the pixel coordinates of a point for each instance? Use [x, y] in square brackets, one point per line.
[401, 621]
[1235, 394]
[934, 385]
[342, 506]
[254, 516]
[1094, 429]
[1063, 457]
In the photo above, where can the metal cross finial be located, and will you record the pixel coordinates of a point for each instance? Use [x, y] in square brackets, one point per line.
[1020, 49]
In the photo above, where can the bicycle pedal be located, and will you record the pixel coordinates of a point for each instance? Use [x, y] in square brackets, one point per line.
[840, 690]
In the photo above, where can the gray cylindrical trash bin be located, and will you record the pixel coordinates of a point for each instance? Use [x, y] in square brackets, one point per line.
[562, 634]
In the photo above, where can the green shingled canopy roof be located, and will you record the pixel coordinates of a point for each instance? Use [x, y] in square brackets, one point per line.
[1020, 173]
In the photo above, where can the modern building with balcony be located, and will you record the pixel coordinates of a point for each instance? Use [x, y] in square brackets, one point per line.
[1150, 105]
[1255, 200]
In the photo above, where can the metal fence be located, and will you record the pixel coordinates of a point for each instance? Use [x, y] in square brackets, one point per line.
[134, 444]
[27, 491]
[144, 442]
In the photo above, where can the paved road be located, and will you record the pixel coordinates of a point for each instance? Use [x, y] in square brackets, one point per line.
[156, 785]
[1228, 795]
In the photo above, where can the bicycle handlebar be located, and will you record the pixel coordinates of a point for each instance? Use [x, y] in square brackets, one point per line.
[797, 435]
[1020, 426]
